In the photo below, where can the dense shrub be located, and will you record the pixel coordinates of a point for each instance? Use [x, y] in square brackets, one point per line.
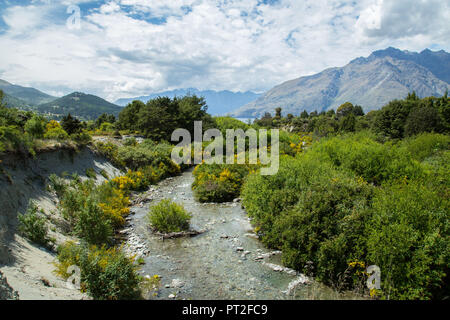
[93, 225]
[106, 274]
[349, 202]
[219, 183]
[326, 226]
[408, 238]
[56, 134]
[35, 126]
[168, 216]
[363, 156]
[426, 144]
[33, 226]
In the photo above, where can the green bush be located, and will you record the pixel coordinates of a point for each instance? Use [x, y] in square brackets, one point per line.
[35, 126]
[349, 202]
[13, 139]
[82, 137]
[168, 216]
[365, 157]
[56, 134]
[219, 183]
[109, 274]
[92, 225]
[106, 274]
[408, 238]
[326, 226]
[90, 173]
[57, 184]
[426, 144]
[33, 226]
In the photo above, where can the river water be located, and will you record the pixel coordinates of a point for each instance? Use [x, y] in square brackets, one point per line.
[225, 262]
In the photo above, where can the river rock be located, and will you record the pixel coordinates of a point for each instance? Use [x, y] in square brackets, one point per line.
[177, 283]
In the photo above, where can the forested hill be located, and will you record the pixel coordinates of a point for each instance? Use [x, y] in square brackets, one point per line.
[85, 106]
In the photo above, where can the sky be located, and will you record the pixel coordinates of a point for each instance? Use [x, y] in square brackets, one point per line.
[128, 48]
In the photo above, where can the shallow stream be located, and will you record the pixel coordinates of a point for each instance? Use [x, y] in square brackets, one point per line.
[227, 261]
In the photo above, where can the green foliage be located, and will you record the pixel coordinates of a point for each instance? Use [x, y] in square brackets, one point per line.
[56, 134]
[412, 116]
[57, 184]
[33, 226]
[159, 117]
[424, 118]
[90, 173]
[35, 126]
[351, 201]
[106, 274]
[408, 238]
[12, 139]
[82, 138]
[130, 142]
[219, 183]
[326, 226]
[105, 118]
[71, 125]
[363, 156]
[168, 216]
[224, 123]
[92, 224]
[107, 127]
[425, 145]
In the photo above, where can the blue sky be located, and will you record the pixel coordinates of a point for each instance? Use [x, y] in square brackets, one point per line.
[126, 48]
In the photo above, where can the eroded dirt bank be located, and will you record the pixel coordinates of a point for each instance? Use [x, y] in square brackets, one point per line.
[27, 267]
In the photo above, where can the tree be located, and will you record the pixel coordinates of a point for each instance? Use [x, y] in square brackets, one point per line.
[129, 115]
[2, 95]
[390, 120]
[358, 111]
[304, 115]
[278, 113]
[347, 124]
[265, 121]
[344, 110]
[71, 125]
[422, 119]
[109, 118]
[331, 113]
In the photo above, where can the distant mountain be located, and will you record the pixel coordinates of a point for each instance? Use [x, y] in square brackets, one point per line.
[84, 106]
[30, 96]
[370, 82]
[13, 102]
[219, 102]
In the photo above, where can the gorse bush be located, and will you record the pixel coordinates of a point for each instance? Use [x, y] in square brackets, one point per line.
[56, 134]
[93, 224]
[219, 183]
[168, 216]
[33, 226]
[106, 274]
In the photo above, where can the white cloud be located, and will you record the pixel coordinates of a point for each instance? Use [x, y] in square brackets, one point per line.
[226, 44]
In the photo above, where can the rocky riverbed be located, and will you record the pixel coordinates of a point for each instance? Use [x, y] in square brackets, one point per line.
[225, 261]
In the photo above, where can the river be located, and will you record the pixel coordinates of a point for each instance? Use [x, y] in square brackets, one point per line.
[225, 262]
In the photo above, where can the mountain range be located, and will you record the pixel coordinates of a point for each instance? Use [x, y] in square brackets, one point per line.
[19, 96]
[219, 102]
[370, 82]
